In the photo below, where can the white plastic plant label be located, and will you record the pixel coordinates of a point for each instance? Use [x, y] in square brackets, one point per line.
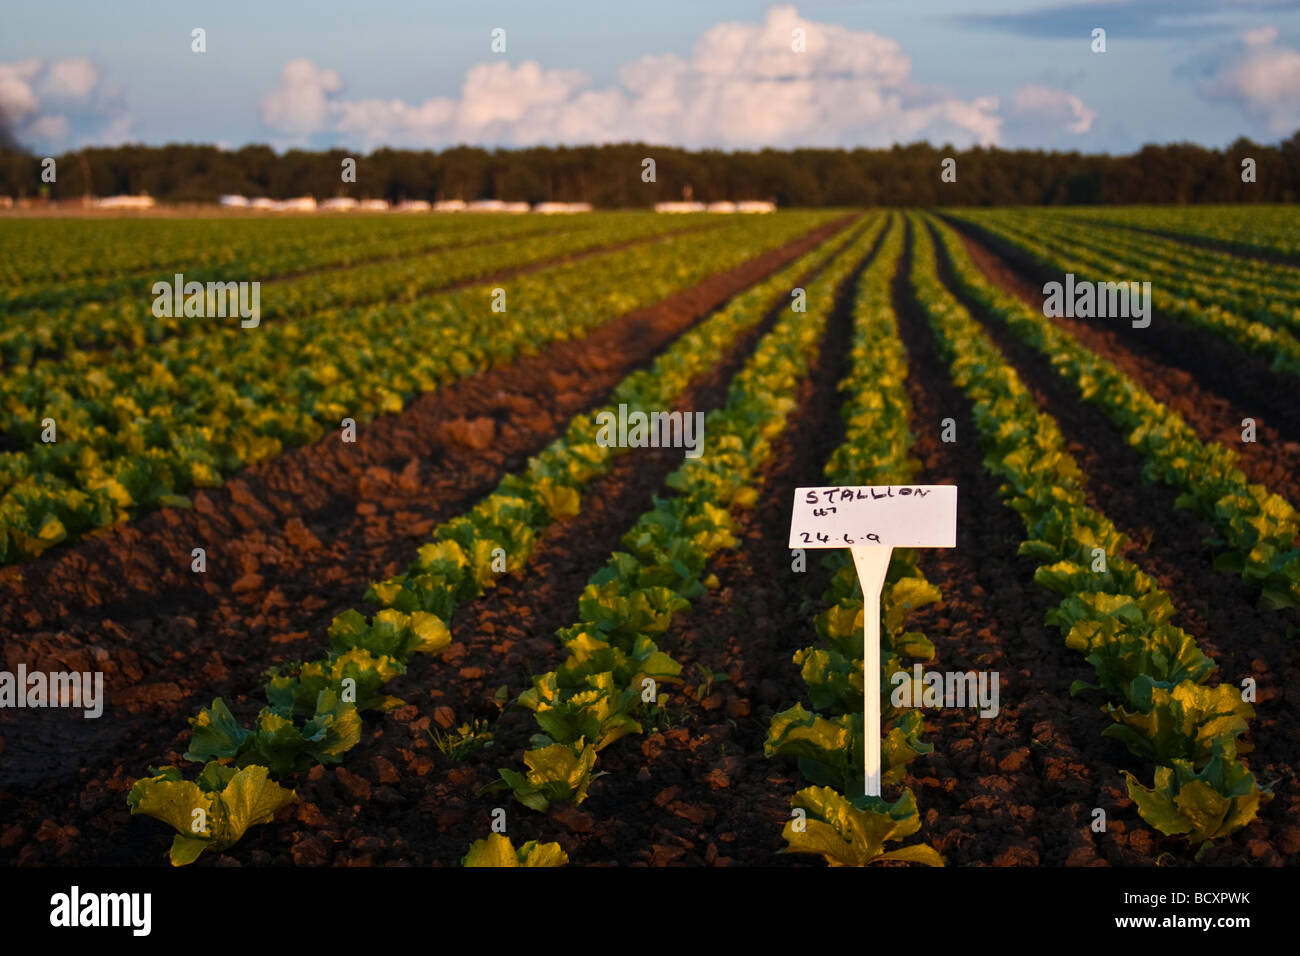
[891, 516]
[872, 520]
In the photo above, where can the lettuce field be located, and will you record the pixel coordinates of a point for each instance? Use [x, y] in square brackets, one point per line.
[462, 540]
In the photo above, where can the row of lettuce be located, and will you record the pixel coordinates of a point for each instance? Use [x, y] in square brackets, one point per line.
[838, 821]
[1173, 293]
[441, 260]
[54, 263]
[625, 611]
[1254, 529]
[1252, 229]
[312, 712]
[141, 431]
[1259, 291]
[1153, 674]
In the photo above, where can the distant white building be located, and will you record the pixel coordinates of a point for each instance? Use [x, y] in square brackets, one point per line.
[721, 207]
[449, 205]
[338, 204]
[299, 204]
[554, 208]
[233, 201]
[261, 202]
[374, 205]
[679, 207]
[496, 205]
[755, 205]
[413, 205]
[126, 202]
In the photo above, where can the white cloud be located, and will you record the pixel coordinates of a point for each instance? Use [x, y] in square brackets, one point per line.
[48, 129]
[1262, 77]
[70, 79]
[742, 85]
[1264, 36]
[18, 101]
[495, 94]
[1046, 105]
[299, 103]
[392, 121]
[745, 85]
[83, 110]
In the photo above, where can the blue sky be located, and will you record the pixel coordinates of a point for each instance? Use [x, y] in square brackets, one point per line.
[702, 73]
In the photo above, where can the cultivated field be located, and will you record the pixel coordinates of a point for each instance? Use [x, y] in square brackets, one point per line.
[364, 575]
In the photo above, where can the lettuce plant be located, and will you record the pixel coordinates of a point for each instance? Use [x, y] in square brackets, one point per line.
[497, 850]
[212, 812]
[1202, 805]
[598, 713]
[1185, 721]
[297, 691]
[557, 773]
[847, 833]
[829, 751]
[277, 743]
[390, 633]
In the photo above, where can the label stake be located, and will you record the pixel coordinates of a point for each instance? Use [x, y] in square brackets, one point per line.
[872, 520]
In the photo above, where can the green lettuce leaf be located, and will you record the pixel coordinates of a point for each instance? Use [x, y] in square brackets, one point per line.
[1183, 722]
[556, 773]
[245, 799]
[1199, 806]
[497, 850]
[848, 835]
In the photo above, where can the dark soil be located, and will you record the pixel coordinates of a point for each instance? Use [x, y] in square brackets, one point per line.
[289, 544]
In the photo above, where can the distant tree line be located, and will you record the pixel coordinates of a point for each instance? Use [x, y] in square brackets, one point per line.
[613, 175]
